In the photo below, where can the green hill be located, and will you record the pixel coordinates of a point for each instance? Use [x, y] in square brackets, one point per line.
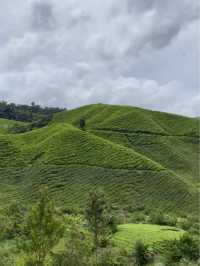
[171, 140]
[139, 157]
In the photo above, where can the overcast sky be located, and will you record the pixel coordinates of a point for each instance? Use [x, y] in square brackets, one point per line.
[73, 52]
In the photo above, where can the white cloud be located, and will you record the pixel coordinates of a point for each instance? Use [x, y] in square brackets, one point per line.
[74, 52]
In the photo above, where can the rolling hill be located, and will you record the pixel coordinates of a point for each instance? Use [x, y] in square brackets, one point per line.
[139, 157]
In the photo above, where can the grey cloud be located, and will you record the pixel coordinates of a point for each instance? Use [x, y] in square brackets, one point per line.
[140, 6]
[76, 16]
[42, 16]
[76, 54]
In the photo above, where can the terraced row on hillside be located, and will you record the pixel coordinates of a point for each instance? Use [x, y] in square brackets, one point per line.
[139, 157]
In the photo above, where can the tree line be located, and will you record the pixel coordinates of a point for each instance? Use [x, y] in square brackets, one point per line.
[34, 115]
[26, 113]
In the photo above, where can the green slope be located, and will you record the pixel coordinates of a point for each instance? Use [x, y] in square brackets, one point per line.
[149, 234]
[72, 162]
[170, 140]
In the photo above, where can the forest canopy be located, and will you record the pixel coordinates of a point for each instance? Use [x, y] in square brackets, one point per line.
[26, 113]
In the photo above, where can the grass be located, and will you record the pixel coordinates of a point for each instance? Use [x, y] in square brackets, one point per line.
[152, 235]
[136, 156]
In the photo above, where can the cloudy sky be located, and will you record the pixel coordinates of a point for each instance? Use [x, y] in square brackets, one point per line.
[74, 52]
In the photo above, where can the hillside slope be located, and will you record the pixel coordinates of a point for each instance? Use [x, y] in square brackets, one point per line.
[6, 125]
[72, 161]
[170, 140]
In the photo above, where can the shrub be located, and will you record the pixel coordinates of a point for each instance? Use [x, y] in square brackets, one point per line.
[6, 259]
[187, 247]
[42, 230]
[190, 224]
[15, 214]
[112, 223]
[141, 254]
[157, 218]
[162, 219]
[112, 256]
[138, 217]
[78, 248]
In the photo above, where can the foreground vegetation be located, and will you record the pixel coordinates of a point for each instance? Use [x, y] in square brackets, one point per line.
[42, 234]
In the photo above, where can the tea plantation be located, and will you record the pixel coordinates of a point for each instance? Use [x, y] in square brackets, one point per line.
[138, 157]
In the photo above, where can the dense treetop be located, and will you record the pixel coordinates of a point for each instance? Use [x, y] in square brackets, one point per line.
[26, 113]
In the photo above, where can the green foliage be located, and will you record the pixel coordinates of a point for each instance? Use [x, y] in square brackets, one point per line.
[97, 217]
[42, 230]
[162, 219]
[141, 254]
[112, 223]
[113, 256]
[15, 214]
[4, 226]
[44, 121]
[6, 259]
[190, 224]
[26, 113]
[78, 247]
[82, 123]
[187, 247]
[157, 218]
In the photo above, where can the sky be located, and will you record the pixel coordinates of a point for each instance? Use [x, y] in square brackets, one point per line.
[72, 52]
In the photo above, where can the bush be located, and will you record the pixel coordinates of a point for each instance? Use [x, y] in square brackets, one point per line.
[190, 224]
[15, 214]
[6, 259]
[112, 224]
[187, 247]
[170, 220]
[112, 256]
[78, 248]
[138, 217]
[162, 219]
[141, 254]
[157, 218]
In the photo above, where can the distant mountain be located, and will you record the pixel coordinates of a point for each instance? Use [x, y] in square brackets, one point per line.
[139, 157]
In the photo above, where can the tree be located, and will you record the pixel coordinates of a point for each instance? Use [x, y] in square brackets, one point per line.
[187, 247]
[140, 254]
[15, 213]
[42, 230]
[96, 217]
[78, 248]
[82, 123]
